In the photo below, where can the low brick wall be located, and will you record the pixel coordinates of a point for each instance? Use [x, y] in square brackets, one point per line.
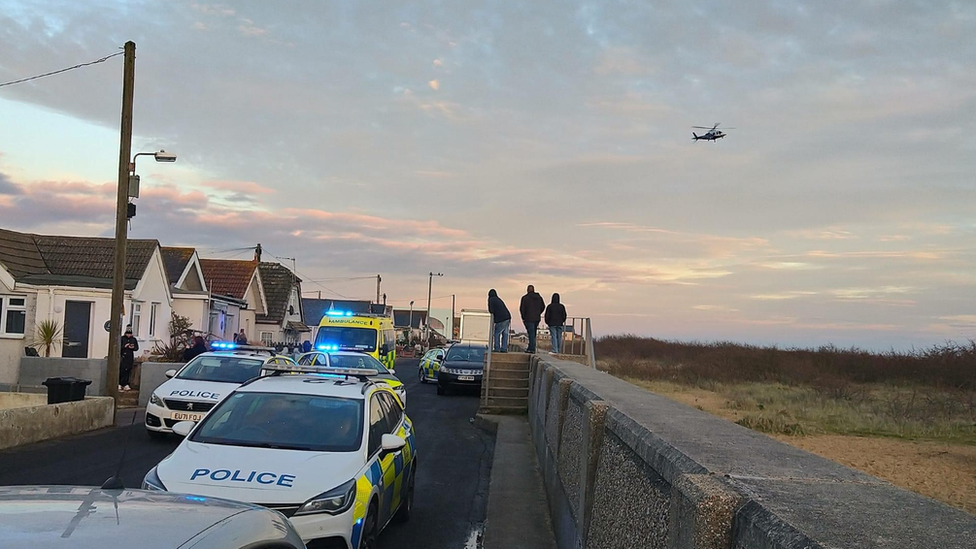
[35, 369]
[626, 468]
[27, 424]
[153, 375]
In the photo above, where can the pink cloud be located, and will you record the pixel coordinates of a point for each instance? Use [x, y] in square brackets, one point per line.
[245, 187]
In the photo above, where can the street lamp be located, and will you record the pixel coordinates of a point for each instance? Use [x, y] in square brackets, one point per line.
[411, 323]
[123, 211]
[430, 284]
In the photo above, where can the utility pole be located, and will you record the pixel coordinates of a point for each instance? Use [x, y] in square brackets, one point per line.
[379, 279]
[121, 224]
[411, 322]
[453, 301]
[430, 284]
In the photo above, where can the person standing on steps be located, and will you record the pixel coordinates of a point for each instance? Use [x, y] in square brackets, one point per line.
[502, 319]
[556, 320]
[129, 347]
[531, 309]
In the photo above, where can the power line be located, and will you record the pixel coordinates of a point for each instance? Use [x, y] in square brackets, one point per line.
[59, 71]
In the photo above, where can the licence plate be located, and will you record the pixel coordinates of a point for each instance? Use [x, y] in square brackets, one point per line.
[183, 416]
[465, 378]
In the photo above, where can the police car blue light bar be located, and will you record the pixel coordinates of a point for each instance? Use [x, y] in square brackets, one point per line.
[318, 369]
[327, 347]
[223, 345]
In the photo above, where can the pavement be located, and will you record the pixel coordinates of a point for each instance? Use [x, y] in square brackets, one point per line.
[518, 516]
[452, 477]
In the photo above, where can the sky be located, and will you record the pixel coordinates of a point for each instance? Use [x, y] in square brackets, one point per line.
[548, 143]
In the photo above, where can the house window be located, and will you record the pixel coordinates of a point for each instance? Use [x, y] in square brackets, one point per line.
[13, 315]
[266, 338]
[152, 319]
[136, 318]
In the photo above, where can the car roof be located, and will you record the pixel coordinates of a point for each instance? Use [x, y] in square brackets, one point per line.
[85, 516]
[468, 344]
[308, 384]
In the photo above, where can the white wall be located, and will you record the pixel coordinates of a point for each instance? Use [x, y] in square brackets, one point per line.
[193, 308]
[12, 347]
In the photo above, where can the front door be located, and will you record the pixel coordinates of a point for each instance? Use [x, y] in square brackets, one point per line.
[77, 327]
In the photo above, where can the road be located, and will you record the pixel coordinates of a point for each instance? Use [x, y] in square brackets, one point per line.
[452, 478]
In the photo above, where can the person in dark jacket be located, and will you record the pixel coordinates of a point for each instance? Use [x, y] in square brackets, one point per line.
[531, 309]
[129, 347]
[306, 346]
[503, 320]
[556, 320]
[199, 347]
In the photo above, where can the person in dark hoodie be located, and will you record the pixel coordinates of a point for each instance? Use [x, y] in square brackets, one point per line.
[129, 347]
[531, 309]
[556, 320]
[199, 347]
[503, 320]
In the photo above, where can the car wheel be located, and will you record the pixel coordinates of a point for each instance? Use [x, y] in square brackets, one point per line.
[406, 506]
[440, 389]
[368, 539]
[156, 435]
[420, 375]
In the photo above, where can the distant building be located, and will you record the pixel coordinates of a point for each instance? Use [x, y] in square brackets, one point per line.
[217, 317]
[283, 322]
[238, 280]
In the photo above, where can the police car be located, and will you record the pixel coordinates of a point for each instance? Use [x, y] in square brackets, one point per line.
[203, 382]
[327, 447]
[353, 359]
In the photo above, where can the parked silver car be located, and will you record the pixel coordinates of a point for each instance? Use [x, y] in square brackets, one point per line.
[83, 517]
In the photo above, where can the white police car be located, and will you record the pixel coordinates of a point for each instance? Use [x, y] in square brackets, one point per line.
[331, 356]
[329, 448]
[199, 385]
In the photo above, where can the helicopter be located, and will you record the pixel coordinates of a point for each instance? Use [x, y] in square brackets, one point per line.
[712, 134]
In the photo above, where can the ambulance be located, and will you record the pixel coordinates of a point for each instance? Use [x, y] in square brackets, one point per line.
[366, 333]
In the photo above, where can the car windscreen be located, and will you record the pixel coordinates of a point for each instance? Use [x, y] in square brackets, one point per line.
[227, 369]
[466, 354]
[357, 361]
[363, 339]
[285, 421]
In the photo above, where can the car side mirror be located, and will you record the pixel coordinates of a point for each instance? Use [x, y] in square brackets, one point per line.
[170, 373]
[388, 444]
[392, 372]
[183, 428]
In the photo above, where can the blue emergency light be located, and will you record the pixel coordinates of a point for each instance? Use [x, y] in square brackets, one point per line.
[339, 313]
[223, 345]
[327, 347]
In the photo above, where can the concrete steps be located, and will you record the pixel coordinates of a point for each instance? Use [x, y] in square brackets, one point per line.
[507, 388]
[129, 399]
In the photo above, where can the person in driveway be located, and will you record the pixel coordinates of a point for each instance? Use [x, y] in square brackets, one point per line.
[531, 309]
[199, 347]
[502, 318]
[556, 320]
[129, 347]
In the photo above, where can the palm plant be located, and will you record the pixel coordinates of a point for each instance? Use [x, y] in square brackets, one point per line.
[48, 336]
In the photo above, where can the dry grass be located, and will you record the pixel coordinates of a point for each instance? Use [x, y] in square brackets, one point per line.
[909, 418]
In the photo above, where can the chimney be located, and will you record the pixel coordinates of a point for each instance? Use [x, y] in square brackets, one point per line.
[257, 253]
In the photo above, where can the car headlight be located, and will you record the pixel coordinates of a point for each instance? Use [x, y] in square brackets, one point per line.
[156, 401]
[152, 482]
[334, 502]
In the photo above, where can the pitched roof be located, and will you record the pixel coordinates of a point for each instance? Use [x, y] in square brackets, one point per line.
[71, 260]
[229, 277]
[401, 318]
[175, 260]
[278, 282]
[314, 309]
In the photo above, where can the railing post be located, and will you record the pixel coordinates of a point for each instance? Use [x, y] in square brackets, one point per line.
[487, 375]
[590, 351]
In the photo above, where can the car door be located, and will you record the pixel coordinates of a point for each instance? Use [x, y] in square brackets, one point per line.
[435, 362]
[379, 426]
[400, 428]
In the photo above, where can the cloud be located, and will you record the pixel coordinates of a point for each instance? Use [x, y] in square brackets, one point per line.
[434, 85]
[242, 187]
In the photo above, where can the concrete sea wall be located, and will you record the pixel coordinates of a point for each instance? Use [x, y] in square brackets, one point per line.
[625, 468]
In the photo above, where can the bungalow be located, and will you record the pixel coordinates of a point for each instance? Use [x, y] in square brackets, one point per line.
[283, 321]
[234, 281]
[214, 316]
[69, 280]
